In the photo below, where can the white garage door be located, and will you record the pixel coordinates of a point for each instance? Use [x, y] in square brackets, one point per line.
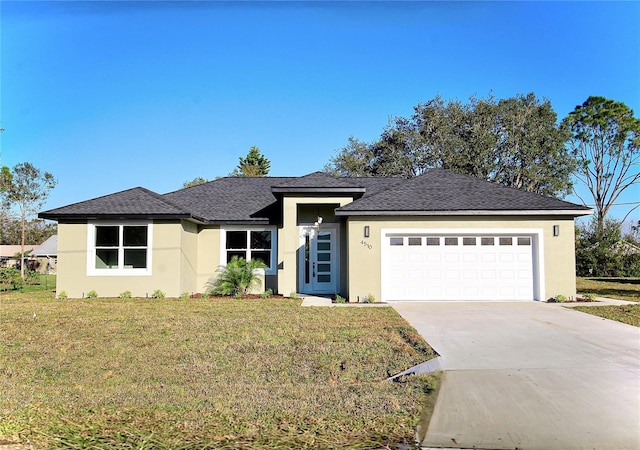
[457, 267]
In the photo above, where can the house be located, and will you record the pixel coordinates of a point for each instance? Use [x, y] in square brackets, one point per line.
[45, 255]
[10, 255]
[438, 236]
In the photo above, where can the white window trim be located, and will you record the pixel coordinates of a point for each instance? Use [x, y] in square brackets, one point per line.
[91, 250]
[274, 243]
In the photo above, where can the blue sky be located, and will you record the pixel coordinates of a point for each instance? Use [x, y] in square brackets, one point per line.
[113, 95]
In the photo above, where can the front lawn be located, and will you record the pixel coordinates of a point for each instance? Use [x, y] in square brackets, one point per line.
[629, 314]
[617, 288]
[205, 374]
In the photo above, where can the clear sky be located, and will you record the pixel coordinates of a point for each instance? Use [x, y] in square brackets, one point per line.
[113, 95]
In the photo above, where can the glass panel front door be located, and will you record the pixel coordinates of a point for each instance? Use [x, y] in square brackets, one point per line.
[318, 262]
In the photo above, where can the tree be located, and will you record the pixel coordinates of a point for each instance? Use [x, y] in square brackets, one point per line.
[606, 143]
[254, 165]
[36, 231]
[195, 182]
[26, 187]
[514, 141]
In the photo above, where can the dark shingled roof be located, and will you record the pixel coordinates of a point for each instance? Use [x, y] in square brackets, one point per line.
[135, 202]
[444, 191]
[256, 199]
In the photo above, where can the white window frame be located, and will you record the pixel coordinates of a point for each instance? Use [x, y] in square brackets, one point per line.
[121, 270]
[272, 270]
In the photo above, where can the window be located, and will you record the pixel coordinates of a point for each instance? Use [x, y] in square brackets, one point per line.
[487, 241]
[415, 241]
[506, 241]
[451, 241]
[250, 244]
[396, 241]
[433, 241]
[119, 249]
[525, 240]
[468, 241]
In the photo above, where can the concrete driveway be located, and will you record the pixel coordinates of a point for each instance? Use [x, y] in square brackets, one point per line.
[530, 375]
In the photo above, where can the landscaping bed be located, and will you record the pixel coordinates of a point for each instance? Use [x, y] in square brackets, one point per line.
[195, 373]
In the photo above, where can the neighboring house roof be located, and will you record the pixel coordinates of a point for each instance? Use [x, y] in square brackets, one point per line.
[9, 251]
[255, 199]
[47, 248]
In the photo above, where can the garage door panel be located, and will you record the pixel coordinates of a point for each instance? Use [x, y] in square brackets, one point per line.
[468, 268]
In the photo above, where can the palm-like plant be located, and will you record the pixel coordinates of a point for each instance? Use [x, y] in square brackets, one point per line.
[237, 277]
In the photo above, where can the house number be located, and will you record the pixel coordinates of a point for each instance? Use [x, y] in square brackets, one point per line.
[366, 244]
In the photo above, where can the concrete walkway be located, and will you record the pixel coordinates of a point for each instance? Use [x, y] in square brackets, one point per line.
[530, 375]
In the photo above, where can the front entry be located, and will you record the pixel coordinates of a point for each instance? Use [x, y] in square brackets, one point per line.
[317, 262]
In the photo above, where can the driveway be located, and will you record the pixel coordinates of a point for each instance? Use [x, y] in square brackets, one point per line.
[530, 375]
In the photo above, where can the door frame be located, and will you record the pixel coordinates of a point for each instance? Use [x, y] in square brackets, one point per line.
[310, 230]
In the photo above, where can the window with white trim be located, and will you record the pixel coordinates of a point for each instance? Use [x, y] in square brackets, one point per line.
[119, 249]
[251, 243]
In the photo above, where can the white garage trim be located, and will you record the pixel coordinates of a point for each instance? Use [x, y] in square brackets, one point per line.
[537, 250]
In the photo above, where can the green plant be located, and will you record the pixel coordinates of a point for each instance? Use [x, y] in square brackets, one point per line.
[557, 299]
[340, 299]
[590, 296]
[294, 295]
[125, 294]
[267, 294]
[92, 294]
[369, 299]
[184, 295]
[206, 295]
[157, 294]
[62, 295]
[10, 279]
[237, 277]
[31, 277]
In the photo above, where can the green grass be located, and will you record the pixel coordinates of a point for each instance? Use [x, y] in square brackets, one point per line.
[223, 374]
[42, 283]
[629, 314]
[616, 288]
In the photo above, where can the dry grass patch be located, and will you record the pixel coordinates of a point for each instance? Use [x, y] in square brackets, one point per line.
[140, 373]
[629, 314]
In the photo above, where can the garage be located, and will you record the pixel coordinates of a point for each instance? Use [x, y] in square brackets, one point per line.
[458, 267]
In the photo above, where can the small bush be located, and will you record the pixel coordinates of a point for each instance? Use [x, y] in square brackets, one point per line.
[590, 296]
[92, 294]
[157, 294]
[10, 279]
[369, 299]
[557, 299]
[340, 299]
[294, 295]
[267, 294]
[237, 277]
[184, 295]
[62, 295]
[31, 277]
[206, 295]
[125, 294]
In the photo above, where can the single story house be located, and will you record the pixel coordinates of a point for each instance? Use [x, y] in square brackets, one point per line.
[438, 236]
[45, 255]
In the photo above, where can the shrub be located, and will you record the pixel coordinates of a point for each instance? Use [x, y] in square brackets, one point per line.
[125, 294]
[294, 295]
[590, 296]
[31, 277]
[62, 295]
[237, 277]
[557, 299]
[267, 294]
[10, 278]
[184, 295]
[340, 299]
[369, 299]
[92, 294]
[157, 294]
[206, 295]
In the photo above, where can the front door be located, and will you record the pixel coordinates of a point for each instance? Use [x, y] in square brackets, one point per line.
[318, 264]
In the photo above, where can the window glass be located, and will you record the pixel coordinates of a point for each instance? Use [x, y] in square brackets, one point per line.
[396, 241]
[264, 256]
[324, 267]
[106, 258]
[524, 240]
[239, 254]
[260, 239]
[433, 241]
[107, 236]
[324, 256]
[134, 236]
[324, 278]
[415, 241]
[135, 258]
[324, 245]
[236, 239]
[506, 241]
[487, 241]
[451, 241]
[468, 241]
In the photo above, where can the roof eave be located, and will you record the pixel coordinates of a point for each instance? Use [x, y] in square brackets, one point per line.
[518, 212]
[58, 217]
[317, 190]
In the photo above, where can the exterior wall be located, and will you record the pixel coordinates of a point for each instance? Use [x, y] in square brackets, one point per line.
[208, 256]
[289, 240]
[364, 262]
[166, 264]
[189, 258]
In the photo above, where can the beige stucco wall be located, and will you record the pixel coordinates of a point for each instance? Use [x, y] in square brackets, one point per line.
[208, 256]
[167, 261]
[364, 260]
